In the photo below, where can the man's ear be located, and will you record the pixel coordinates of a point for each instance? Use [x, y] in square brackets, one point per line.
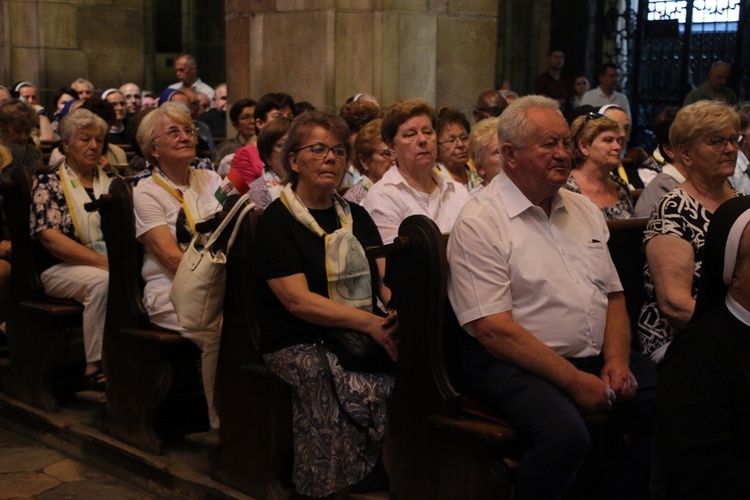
[509, 155]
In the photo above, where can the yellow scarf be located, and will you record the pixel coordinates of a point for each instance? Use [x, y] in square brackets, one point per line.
[347, 268]
[87, 224]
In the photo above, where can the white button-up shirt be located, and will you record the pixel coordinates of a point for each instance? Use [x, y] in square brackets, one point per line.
[553, 273]
[392, 199]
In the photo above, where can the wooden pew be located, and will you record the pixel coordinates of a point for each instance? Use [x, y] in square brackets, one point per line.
[39, 328]
[144, 364]
[255, 406]
[625, 240]
[440, 444]
[431, 450]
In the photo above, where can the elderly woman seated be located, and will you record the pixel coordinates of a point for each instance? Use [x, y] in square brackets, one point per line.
[705, 136]
[75, 263]
[372, 157]
[702, 432]
[596, 147]
[413, 185]
[309, 253]
[168, 200]
[453, 148]
[484, 151]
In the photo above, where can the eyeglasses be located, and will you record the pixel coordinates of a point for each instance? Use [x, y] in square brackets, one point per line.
[453, 141]
[321, 150]
[589, 116]
[720, 143]
[175, 133]
[492, 111]
[385, 153]
[132, 96]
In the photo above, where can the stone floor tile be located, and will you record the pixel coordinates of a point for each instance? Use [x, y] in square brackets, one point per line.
[71, 471]
[25, 484]
[10, 439]
[28, 458]
[108, 488]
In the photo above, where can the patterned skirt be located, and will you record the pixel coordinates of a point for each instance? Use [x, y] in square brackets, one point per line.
[330, 453]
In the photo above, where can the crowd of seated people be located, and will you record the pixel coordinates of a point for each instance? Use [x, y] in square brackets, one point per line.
[351, 180]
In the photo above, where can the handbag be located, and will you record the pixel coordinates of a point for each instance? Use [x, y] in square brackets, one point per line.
[198, 287]
[357, 352]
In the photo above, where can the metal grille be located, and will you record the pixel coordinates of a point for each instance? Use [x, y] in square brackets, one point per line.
[666, 48]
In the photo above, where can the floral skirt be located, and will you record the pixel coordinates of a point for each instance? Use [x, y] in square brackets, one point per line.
[330, 453]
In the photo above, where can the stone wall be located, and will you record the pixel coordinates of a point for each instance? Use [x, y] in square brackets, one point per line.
[324, 51]
[51, 43]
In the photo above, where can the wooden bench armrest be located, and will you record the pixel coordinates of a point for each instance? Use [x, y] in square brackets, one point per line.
[54, 307]
[398, 244]
[156, 336]
[476, 429]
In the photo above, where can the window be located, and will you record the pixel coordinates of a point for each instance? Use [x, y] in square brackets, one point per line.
[707, 15]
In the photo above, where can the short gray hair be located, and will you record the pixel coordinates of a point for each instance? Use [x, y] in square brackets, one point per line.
[83, 80]
[79, 119]
[513, 127]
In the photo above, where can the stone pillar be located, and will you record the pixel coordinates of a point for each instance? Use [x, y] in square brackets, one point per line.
[324, 51]
[523, 42]
[51, 43]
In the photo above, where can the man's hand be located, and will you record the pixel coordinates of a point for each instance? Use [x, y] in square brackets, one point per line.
[618, 377]
[591, 394]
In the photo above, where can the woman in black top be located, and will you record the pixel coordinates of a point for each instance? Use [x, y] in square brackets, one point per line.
[314, 276]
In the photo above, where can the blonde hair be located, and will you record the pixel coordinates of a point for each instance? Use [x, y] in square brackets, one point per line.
[147, 128]
[479, 139]
[586, 128]
[699, 119]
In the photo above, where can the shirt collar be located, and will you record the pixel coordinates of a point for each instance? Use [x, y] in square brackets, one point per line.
[672, 171]
[516, 202]
[393, 176]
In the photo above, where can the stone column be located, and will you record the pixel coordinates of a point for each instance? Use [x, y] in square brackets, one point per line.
[324, 51]
[50, 43]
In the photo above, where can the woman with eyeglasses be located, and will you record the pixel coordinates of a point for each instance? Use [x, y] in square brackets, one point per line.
[314, 276]
[704, 136]
[370, 156]
[266, 188]
[595, 150]
[453, 148]
[75, 259]
[413, 185]
[168, 200]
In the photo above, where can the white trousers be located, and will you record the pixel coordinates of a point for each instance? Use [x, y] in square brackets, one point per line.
[88, 285]
[161, 313]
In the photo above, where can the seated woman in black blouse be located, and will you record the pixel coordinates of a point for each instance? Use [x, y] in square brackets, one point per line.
[314, 276]
[702, 433]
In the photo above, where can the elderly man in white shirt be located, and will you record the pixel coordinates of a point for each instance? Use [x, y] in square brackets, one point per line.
[606, 92]
[533, 285]
[186, 69]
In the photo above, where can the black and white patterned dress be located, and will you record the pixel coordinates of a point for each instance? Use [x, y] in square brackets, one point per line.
[676, 214]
